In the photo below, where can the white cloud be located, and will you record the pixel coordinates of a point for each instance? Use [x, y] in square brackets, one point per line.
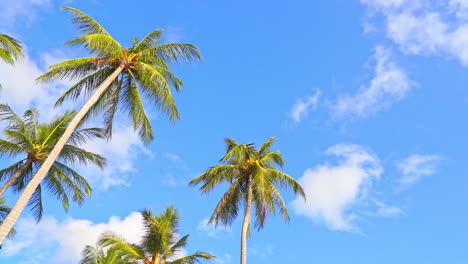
[385, 210]
[303, 106]
[121, 152]
[19, 84]
[333, 190]
[425, 28]
[55, 241]
[20, 90]
[417, 166]
[459, 8]
[389, 85]
[210, 229]
[21, 11]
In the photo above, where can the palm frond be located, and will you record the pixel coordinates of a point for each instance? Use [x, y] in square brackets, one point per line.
[99, 44]
[150, 40]
[74, 155]
[10, 49]
[74, 69]
[86, 85]
[172, 52]
[85, 23]
[118, 243]
[196, 258]
[136, 110]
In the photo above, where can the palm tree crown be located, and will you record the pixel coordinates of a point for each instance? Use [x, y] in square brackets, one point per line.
[10, 49]
[144, 70]
[31, 140]
[252, 177]
[160, 243]
[244, 163]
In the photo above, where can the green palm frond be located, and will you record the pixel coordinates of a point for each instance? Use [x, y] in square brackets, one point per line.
[10, 49]
[85, 23]
[120, 244]
[150, 40]
[74, 155]
[74, 69]
[196, 258]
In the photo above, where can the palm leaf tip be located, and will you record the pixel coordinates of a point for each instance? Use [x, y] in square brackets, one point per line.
[85, 23]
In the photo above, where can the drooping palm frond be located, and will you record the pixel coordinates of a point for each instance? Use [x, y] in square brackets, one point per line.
[10, 49]
[99, 255]
[85, 23]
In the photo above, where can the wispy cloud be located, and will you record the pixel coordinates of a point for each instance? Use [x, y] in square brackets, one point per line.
[303, 106]
[21, 12]
[210, 229]
[333, 190]
[417, 166]
[386, 210]
[423, 28]
[389, 85]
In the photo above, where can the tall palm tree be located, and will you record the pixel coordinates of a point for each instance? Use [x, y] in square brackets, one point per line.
[32, 142]
[10, 49]
[99, 255]
[253, 178]
[123, 75]
[160, 243]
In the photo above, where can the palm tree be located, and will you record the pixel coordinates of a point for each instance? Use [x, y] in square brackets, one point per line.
[98, 255]
[32, 141]
[123, 75]
[160, 243]
[252, 177]
[10, 49]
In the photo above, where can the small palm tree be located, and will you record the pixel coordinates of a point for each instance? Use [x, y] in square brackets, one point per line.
[115, 78]
[98, 255]
[31, 140]
[252, 177]
[10, 49]
[160, 243]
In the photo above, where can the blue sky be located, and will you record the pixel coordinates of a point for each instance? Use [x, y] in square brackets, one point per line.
[365, 97]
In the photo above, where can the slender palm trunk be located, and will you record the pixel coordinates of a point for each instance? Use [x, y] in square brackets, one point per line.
[41, 173]
[15, 176]
[246, 224]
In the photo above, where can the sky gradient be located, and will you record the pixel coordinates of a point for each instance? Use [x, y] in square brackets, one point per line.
[366, 99]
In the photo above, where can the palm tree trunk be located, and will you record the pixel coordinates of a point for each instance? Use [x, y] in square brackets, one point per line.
[15, 176]
[41, 173]
[246, 224]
